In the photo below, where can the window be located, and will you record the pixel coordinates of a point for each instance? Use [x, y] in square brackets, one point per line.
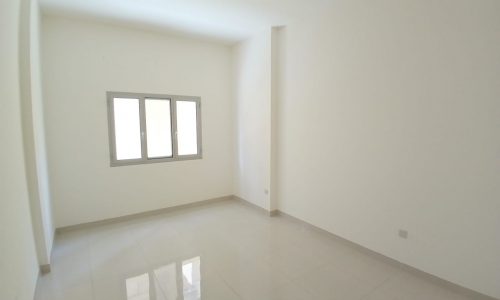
[147, 128]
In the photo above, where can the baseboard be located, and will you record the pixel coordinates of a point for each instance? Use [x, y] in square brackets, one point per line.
[274, 213]
[44, 269]
[141, 214]
[270, 213]
[440, 281]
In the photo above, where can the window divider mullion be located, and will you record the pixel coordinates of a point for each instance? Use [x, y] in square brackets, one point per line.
[144, 138]
[173, 115]
[198, 128]
[111, 128]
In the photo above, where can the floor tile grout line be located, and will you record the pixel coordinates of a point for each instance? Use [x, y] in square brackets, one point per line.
[89, 262]
[377, 287]
[150, 264]
[228, 285]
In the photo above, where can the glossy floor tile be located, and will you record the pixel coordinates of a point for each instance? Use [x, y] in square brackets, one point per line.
[221, 251]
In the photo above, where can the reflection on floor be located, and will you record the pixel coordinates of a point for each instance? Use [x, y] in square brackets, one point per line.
[221, 251]
[175, 281]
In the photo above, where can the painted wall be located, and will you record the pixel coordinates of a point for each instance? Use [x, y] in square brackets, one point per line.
[18, 263]
[34, 131]
[252, 93]
[39, 127]
[389, 118]
[81, 61]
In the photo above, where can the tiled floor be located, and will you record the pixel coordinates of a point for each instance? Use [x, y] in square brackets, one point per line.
[221, 251]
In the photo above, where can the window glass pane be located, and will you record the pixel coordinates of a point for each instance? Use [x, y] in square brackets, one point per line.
[186, 128]
[127, 128]
[158, 128]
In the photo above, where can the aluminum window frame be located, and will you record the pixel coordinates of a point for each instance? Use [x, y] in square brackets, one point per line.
[114, 162]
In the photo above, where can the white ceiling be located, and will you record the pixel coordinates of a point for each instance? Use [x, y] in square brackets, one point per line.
[224, 20]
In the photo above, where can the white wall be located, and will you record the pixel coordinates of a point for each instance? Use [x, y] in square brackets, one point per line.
[389, 118]
[39, 127]
[34, 131]
[252, 93]
[18, 263]
[81, 61]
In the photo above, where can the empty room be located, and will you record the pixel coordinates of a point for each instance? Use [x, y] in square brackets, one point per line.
[250, 149]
